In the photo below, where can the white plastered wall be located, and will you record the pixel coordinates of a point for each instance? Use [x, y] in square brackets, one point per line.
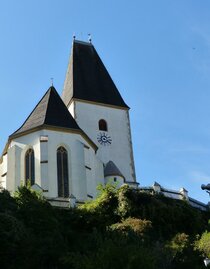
[1, 180]
[120, 151]
[118, 180]
[81, 183]
[3, 171]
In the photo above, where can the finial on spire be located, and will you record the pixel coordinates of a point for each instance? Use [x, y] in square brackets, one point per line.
[52, 82]
[74, 36]
[89, 38]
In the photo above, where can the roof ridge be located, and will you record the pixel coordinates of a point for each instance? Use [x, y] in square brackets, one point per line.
[51, 111]
[32, 112]
[52, 88]
[82, 42]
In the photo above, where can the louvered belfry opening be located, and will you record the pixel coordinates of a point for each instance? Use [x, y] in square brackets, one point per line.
[62, 172]
[30, 167]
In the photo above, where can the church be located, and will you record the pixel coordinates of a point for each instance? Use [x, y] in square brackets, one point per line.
[70, 144]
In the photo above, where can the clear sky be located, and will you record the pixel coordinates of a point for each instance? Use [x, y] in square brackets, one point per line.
[158, 54]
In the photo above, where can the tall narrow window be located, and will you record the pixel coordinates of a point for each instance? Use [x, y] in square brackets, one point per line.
[62, 172]
[30, 167]
[102, 125]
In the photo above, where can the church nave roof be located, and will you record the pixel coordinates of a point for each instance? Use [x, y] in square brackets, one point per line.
[50, 111]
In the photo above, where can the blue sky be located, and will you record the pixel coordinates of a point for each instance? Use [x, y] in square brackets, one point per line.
[158, 54]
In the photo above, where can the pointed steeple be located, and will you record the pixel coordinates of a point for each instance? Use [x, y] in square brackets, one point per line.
[87, 78]
[50, 111]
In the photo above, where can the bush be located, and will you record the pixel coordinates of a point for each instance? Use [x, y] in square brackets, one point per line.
[203, 244]
[132, 225]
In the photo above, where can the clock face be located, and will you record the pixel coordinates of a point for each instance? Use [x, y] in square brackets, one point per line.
[104, 139]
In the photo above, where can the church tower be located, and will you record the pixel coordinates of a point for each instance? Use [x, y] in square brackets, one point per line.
[98, 108]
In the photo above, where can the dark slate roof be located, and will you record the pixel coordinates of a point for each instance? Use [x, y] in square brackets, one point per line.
[156, 184]
[50, 111]
[87, 78]
[112, 170]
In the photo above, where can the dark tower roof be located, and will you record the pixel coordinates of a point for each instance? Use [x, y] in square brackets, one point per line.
[112, 170]
[87, 78]
[50, 111]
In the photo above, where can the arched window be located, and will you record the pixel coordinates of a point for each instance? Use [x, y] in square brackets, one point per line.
[102, 125]
[29, 167]
[62, 172]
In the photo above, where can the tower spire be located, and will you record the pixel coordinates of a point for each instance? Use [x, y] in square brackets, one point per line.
[87, 78]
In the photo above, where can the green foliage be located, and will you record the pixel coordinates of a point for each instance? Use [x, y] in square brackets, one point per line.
[7, 203]
[124, 201]
[106, 200]
[178, 243]
[102, 210]
[24, 196]
[12, 238]
[132, 225]
[203, 244]
[168, 216]
[183, 254]
[121, 228]
[113, 251]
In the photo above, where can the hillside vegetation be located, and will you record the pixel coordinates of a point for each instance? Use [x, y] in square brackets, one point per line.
[121, 228]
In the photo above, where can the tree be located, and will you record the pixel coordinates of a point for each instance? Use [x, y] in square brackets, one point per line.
[203, 244]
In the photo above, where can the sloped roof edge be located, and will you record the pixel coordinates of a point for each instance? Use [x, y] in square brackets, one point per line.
[88, 79]
[112, 170]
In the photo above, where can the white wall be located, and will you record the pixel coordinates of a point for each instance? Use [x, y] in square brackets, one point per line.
[80, 155]
[118, 180]
[1, 180]
[71, 109]
[120, 151]
[3, 170]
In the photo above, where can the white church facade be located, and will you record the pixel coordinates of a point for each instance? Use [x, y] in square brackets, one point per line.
[70, 144]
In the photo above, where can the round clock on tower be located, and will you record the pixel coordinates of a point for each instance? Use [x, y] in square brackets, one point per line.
[104, 139]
